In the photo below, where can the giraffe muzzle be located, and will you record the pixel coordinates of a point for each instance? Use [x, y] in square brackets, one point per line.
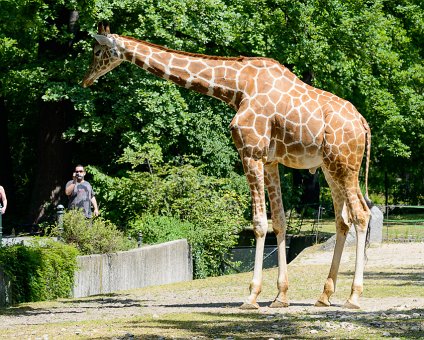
[87, 82]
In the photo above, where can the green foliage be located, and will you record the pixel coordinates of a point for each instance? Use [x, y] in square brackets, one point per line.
[209, 241]
[44, 270]
[93, 236]
[369, 52]
[179, 202]
[158, 229]
[170, 191]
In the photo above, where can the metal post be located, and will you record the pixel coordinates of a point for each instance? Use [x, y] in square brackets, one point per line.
[1, 226]
[60, 212]
[140, 239]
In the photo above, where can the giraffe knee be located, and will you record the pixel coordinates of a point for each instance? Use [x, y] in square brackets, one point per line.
[279, 225]
[341, 225]
[260, 227]
[361, 219]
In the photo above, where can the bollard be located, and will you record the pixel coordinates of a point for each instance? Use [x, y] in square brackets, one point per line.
[60, 212]
[1, 226]
[140, 239]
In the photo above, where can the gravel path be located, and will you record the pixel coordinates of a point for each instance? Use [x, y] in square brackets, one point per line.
[165, 301]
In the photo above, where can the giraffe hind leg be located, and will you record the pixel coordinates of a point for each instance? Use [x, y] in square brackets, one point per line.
[354, 211]
[360, 216]
[342, 228]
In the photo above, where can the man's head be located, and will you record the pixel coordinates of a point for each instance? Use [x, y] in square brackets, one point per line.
[79, 172]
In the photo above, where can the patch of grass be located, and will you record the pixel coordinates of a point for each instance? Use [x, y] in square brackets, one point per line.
[411, 232]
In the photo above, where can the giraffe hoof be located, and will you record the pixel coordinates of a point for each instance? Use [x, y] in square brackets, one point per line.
[321, 303]
[249, 305]
[351, 305]
[279, 304]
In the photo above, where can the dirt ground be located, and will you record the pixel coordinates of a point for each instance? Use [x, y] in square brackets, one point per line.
[200, 299]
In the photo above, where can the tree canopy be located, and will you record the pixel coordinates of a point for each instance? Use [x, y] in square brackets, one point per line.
[368, 52]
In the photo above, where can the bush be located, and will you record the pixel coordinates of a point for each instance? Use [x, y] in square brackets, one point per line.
[93, 236]
[159, 229]
[44, 270]
[210, 242]
[207, 211]
[171, 202]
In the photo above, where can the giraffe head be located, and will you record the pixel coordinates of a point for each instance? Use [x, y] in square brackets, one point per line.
[107, 54]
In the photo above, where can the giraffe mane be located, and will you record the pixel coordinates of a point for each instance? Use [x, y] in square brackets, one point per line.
[198, 55]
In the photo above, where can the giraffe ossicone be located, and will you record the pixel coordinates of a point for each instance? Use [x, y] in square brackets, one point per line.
[279, 119]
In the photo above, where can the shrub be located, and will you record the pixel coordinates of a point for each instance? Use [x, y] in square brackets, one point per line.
[93, 236]
[207, 211]
[210, 241]
[171, 202]
[159, 229]
[44, 270]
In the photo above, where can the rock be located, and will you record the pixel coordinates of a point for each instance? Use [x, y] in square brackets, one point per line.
[376, 225]
[376, 231]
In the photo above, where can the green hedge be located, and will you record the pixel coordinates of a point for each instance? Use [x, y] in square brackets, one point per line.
[43, 270]
[178, 201]
[93, 236]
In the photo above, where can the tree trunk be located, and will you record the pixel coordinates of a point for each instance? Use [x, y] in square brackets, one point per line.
[310, 186]
[309, 182]
[53, 162]
[6, 172]
[53, 166]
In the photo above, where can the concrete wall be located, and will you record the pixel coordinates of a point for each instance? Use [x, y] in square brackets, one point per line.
[146, 266]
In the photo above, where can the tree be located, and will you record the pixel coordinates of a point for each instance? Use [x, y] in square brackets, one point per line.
[368, 52]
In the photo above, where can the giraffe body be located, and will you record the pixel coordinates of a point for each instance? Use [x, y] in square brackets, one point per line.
[279, 119]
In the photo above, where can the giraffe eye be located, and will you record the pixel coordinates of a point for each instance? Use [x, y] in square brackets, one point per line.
[97, 53]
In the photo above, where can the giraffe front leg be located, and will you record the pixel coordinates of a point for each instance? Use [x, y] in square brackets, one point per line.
[260, 229]
[282, 281]
[255, 176]
[272, 182]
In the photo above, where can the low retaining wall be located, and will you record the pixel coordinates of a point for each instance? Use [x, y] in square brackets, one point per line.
[146, 266]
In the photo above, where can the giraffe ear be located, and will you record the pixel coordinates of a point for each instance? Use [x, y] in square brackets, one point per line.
[104, 40]
[103, 29]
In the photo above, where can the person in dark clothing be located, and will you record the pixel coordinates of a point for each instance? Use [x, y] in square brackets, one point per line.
[80, 193]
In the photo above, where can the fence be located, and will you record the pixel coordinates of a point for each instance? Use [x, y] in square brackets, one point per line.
[403, 223]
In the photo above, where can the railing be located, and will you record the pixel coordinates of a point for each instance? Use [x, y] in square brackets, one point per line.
[401, 225]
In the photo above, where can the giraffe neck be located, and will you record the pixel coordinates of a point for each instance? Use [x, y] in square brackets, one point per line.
[213, 76]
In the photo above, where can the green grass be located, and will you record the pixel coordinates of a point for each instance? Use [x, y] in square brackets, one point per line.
[404, 227]
[398, 227]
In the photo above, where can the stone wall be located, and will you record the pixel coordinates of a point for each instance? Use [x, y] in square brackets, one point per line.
[146, 266]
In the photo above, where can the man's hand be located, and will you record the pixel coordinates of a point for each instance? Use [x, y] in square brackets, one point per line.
[96, 212]
[3, 210]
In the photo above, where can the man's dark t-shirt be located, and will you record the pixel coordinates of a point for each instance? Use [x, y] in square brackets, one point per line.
[81, 197]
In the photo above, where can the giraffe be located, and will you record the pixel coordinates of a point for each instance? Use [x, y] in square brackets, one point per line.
[279, 119]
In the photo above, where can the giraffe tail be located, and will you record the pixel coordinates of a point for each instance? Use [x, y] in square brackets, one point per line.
[366, 197]
[367, 162]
